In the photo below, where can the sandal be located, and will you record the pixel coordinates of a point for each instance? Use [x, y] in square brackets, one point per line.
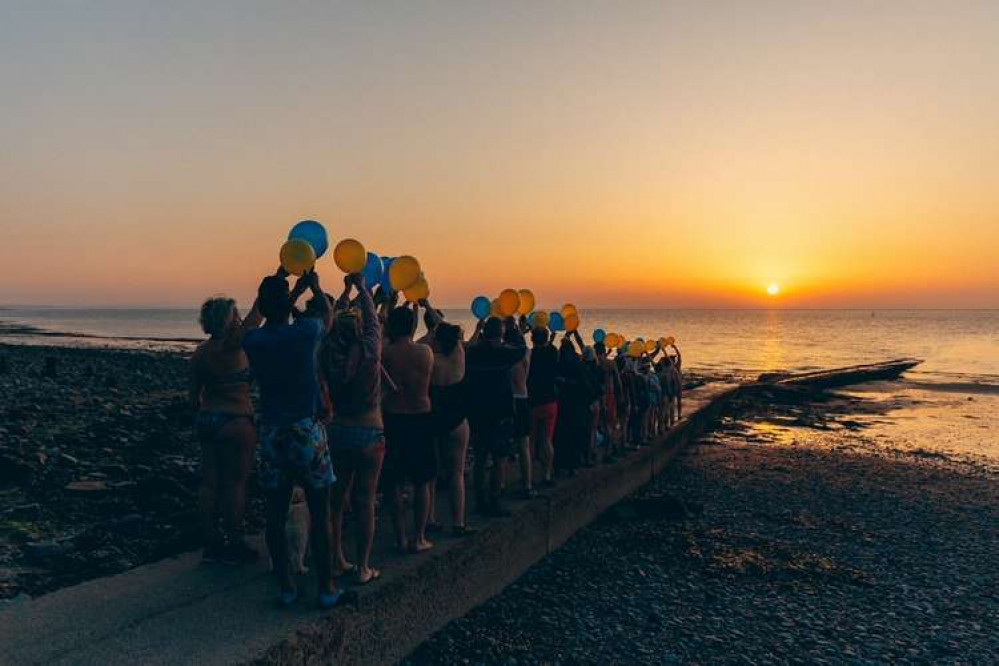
[287, 597]
[328, 600]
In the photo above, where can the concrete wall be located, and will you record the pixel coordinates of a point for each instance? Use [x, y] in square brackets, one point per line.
[387, 626]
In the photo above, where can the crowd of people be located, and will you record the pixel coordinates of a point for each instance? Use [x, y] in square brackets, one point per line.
[352, 404]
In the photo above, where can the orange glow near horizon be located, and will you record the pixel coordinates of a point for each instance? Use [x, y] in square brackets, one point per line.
[607, 157]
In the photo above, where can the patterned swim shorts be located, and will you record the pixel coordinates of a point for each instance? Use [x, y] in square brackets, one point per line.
[295, 453]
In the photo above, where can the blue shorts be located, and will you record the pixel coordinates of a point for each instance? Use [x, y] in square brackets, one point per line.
[295, 453]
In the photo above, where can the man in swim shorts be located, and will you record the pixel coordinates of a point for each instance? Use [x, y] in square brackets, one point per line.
[293, 448]
[409, 426]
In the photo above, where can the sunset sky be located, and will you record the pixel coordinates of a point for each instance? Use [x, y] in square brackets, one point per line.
[615, 153]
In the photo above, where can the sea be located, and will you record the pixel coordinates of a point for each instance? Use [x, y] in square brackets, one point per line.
[946, 404]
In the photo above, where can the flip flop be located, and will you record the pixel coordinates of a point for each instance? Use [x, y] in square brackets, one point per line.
[287, 597]
[336, 598]
[373, 575]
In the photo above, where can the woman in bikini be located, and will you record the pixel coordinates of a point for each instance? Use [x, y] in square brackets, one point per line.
[220, 394]
[351, 364]
[448, 401]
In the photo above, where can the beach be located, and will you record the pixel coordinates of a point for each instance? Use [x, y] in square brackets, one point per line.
[98, 465]
[795, 533]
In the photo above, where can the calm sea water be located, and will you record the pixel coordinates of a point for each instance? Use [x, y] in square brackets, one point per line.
[957, 345]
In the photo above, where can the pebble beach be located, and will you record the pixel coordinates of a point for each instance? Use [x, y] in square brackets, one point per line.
[791, 534]
[98, 465]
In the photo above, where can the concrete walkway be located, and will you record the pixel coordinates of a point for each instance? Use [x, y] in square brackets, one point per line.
[178, 611]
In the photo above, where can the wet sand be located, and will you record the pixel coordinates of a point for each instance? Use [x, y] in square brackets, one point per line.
[796, 533]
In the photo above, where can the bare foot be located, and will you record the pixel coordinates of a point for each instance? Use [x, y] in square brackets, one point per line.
[421, 545]
[367, 574]
[342, 567]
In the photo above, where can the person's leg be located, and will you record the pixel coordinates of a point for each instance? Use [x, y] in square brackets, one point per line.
[421, 513]
[479, 469]
[496, 479]
[394, 494]
[458, 452]
[318, 500]
[526, 463]
[367, 485]
[236, 444]
[213, 540]
[345, 467]
[278, 500]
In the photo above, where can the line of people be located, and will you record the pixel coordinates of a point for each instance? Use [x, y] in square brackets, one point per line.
[351, 403]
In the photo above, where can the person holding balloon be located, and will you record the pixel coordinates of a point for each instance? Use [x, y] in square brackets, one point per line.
[513, 337]
[488, 364]
[409, 425]
[610, 398]
[448, 398]
[350, 363]
[575, 396]
[542, 395]
[293, 447]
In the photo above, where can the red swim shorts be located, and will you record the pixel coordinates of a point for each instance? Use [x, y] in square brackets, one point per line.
[543, 419]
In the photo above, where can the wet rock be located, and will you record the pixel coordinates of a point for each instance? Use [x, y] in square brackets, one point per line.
[87, 487]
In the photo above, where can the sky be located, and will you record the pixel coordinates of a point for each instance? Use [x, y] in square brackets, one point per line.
[639, 154]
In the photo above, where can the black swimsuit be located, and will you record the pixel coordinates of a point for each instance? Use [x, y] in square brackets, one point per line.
[448, 406]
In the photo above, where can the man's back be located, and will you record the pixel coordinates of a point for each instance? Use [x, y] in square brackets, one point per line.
[283, 360]
[409, 366]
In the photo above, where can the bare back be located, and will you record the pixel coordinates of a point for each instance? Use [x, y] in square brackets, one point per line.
[449, 369]
[409, 366]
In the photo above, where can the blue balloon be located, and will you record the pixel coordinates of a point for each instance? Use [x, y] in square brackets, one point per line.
[372, 270]
[313, 233]
[556, 322]
[481, 307]
[386, 285]
[599, 335]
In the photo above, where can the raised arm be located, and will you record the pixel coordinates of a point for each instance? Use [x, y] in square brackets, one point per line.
[253, 318]
[343, 302]
[323, 307]
[371, 327]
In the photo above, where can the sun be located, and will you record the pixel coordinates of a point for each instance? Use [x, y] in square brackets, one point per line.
[773, 289]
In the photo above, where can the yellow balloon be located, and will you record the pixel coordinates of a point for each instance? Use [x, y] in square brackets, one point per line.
[297, 256]
[670, 340]
[651, 345]
[572, 322]
[418, 291]
[404, 272]
[350, 256]
[526, 301]
[568, 309]
[541, 319]
[494, 308]
[509, 302]
[663, 342]
[612, 341]
[636, 349]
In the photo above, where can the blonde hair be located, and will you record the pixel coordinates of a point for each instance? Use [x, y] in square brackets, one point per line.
[215, 314]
